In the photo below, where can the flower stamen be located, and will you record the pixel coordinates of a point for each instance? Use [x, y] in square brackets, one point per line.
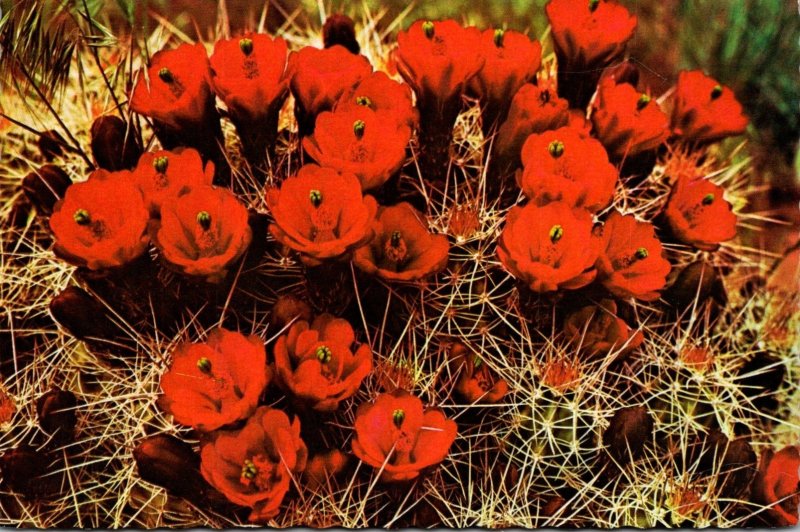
[204, 220]
[398, 416]
[315, 197]
[160, 164]
[166, 75]
[499, 34]
[246, 46]
[82, 217]
[358, 129]
[556, 233]
[556, 149]
[204, 365]
[428, 29]
[323, 354]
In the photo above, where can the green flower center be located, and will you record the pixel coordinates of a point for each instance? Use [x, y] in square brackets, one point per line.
[160, 164]
[556, 149]
[499, 34]
[166, 75]
[82, 217]
[556, 233]
[358, 129]
[398, 416]
[204, 220]
[323, 354]
[315, 197]
[204, 364]
[246, 46]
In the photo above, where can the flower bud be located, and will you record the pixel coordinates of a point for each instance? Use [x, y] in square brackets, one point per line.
[81, 314]
[731, 462]
[56, 413]
[50, 144]
[624, 72]
[697, 280]
[21, 469]
[286, 309]
[627, 434]
[45, 186]
[759, 378]
[324, 466]
[115, 144]
[170, 463]
[340, 29]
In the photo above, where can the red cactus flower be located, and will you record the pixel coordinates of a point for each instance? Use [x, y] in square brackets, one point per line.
[383, 95]
[631, 262]
[403, 249]
[321, 213]
[320, 77]
[322, 467]
[534, 109]
[564, 165]
[577, 120]
[777, 485]
[102, 222]
[511, 60]
[249, 75]
[626, 121]
[438, 59]
[359, 141]
[202, 232]
[477, 383]
[316, 364]
[254, 466]
[704, 110]
[589, 32]
[395, 435]
[588, 35]
[597, 330]
[8, 407]
[217, 382]
[550, 247]
[698, 214]
[178, 92]
[562, 373]
[163, 175]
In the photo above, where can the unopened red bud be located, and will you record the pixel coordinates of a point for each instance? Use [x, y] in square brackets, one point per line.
[45, 186]
[50, 144]
[21, 469]
[697, 281]
[732, 462]
[628, 432]
[57, 416]
[172, 464]
[115, 144]
[340, 29]
[288, 308]
[760, 378]
[81, 314]
[624, 72]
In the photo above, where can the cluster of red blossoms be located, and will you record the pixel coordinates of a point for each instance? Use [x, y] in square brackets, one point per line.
[563, 142]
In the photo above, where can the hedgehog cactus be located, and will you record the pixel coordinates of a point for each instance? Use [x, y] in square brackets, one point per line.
[446, 292]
